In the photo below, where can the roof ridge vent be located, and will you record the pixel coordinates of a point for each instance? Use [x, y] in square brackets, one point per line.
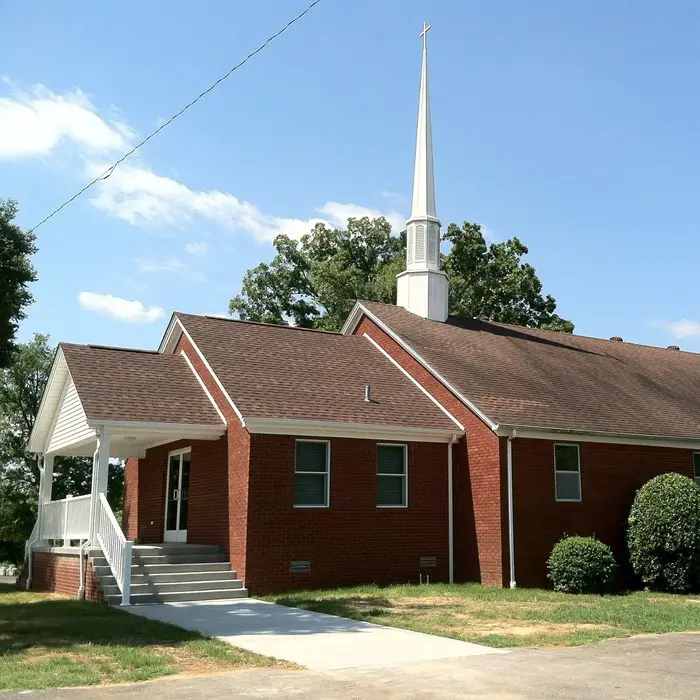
[673, 347]
[617, 339]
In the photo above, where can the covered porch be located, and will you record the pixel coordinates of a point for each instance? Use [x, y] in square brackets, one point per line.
[107, 404]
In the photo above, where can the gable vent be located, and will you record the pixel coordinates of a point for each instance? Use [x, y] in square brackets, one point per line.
[299, 567]
[428, 562]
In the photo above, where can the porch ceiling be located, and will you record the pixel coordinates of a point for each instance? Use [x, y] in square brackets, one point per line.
[131, 440]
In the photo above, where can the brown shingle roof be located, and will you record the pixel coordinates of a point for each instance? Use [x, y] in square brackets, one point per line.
[292, 373]
[133, 385]
[526, 377]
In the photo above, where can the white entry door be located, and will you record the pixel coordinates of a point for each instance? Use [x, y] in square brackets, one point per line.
[177, 496]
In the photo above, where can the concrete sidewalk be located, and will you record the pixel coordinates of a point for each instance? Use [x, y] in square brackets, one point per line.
[314, 640]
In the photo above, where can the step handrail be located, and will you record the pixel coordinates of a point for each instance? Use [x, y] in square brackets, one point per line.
[115, 547]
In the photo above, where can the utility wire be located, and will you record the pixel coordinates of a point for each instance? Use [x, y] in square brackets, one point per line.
[112, 168]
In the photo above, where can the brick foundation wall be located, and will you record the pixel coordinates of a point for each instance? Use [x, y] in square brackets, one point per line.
[479, 477]
[352, 541]
[54, 572]
[610, 477]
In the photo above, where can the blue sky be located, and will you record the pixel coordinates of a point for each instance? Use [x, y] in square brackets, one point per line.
[571, 125]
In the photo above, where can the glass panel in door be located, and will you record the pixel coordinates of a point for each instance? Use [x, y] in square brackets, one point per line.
[177, 497]
[184, 491]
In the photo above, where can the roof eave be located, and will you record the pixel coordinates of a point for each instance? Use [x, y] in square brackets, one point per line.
[339, 429]
[578, 435]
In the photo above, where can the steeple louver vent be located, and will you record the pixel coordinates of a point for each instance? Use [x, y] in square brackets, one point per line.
[432, 244]
[410, 242]
[420, 243]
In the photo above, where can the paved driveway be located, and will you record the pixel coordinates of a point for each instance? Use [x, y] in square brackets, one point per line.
[640, 668]
[314, 640]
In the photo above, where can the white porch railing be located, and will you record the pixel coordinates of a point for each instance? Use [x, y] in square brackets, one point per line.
[67, 519]
[115, 547]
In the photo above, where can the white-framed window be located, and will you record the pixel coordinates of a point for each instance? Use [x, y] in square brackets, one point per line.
[696, 467]
[567, 472]
[312, 471]
[392, 476]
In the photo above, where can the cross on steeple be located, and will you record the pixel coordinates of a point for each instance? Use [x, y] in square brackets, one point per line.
[424, 33]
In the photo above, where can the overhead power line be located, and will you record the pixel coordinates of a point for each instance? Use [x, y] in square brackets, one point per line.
[113, 167]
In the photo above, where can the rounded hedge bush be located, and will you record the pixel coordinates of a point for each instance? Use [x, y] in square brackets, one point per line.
[663, 537]
[581, 565]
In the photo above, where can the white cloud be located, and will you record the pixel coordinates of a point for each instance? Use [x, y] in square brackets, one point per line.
[121, 309]
[197, 248]
[396, 197]
[34, 123]
[684, 328]
[142, 197]
[338, 214]
[170, 265]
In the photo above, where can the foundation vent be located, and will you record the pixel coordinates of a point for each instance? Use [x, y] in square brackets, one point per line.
[299, 567]
[428, 562]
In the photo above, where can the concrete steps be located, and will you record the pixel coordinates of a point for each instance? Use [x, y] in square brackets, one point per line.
[171, 573]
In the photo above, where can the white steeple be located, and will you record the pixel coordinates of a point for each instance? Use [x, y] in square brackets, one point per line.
[423, 287]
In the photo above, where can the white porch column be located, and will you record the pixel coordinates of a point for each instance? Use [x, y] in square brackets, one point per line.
[46, 482]
[100, 472]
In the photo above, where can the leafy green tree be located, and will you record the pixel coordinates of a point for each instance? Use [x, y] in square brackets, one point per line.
[21, 388]
[492, 282]
[16, 272]
[315, 281]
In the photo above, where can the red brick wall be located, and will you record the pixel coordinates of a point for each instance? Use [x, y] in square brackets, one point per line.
[218, 509]
[208, 506]
[352, 541]
[610, 477]
[60, 573]
[130, 522]
[238, 441]
[480, 525]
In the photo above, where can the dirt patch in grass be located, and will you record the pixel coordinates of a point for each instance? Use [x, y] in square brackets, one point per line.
[519, 628]
[192, 663]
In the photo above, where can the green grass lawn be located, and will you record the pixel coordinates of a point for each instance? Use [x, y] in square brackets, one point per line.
[502, 617]
[49, 641]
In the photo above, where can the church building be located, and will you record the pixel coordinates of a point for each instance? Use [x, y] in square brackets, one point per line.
[410, 445]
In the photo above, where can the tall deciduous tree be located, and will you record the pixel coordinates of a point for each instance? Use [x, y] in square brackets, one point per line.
[315, 281]
[16, 272]
[492, 282]
[21, 388]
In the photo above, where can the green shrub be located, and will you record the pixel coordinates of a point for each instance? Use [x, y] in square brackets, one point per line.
[581, 565]
[664, 533]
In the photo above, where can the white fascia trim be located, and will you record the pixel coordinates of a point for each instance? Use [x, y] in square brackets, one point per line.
[184, 429]
[476, 411]
[204, 387]
[239, 415]
[558, 434]
[353, 319]
[59, 360]
[168, 333]
[415, 381]
[360, 431]
[57, 412]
